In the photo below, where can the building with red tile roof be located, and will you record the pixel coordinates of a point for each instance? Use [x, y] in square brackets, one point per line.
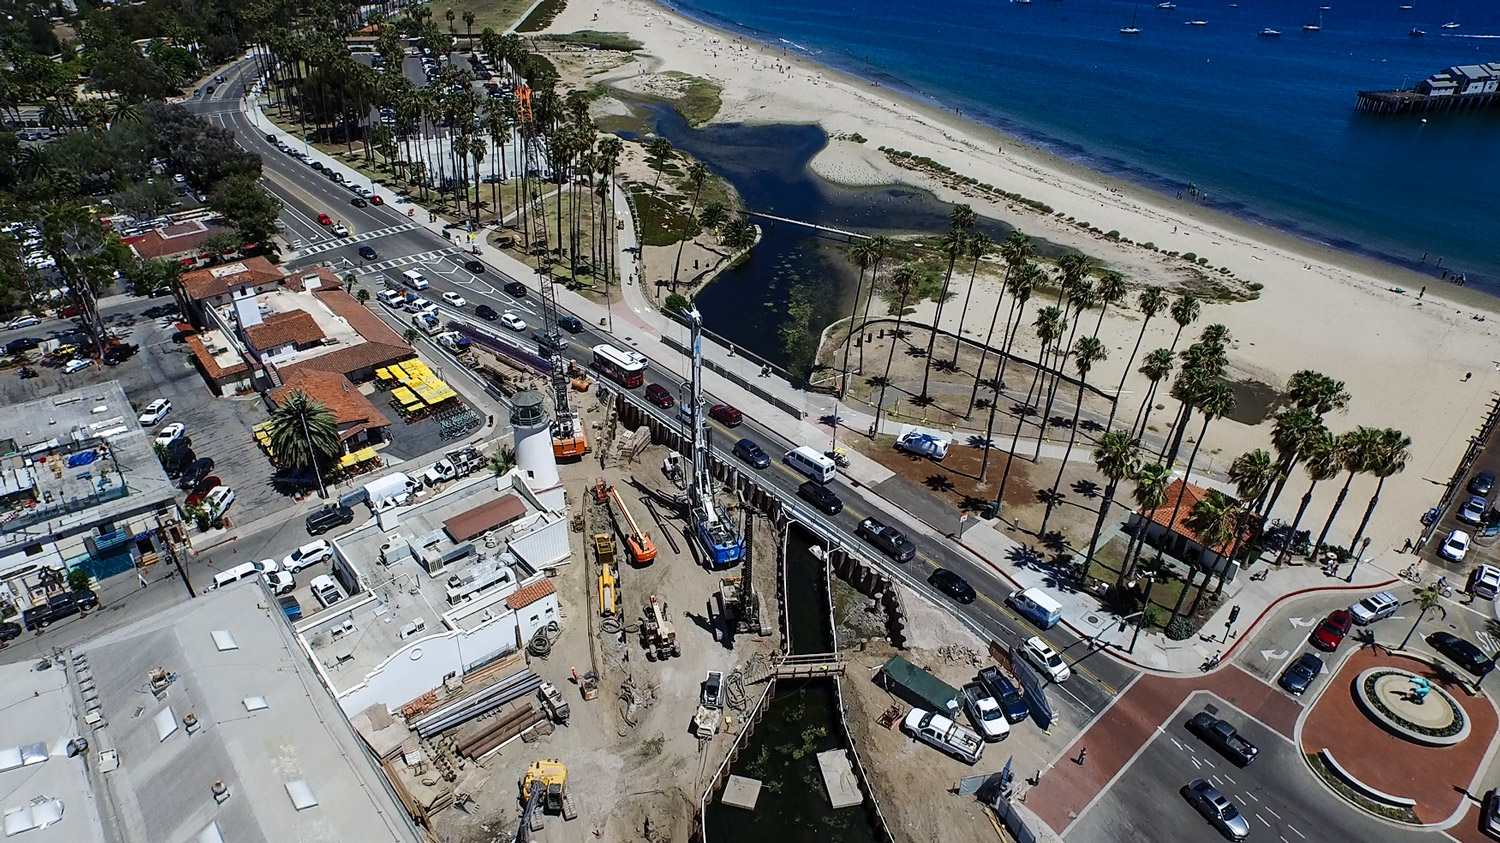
[1172, 535]
[359, 421]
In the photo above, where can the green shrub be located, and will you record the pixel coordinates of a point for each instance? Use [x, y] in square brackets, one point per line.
[1256, 285]
[78, 579]
[1192, 256]
[678, 303]
[1180, 629]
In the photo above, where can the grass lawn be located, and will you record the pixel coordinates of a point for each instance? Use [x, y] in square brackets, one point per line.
[499, 14]
[1108, 561]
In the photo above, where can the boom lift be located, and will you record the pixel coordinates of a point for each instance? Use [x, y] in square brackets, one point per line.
[642, 549]
[568, 438]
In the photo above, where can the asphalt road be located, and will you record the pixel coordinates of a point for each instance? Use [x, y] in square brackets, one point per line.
[1277, 793]
[1097, 677]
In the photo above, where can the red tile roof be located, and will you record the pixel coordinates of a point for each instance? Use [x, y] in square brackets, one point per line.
[172, 240]
[215, 280]
[352, 411]
[359, 317]
[524, 597]
[296, 326]
[1190, 496]
[210, 365]
[485, 517]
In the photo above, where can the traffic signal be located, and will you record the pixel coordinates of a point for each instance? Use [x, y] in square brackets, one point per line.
[1234, 613]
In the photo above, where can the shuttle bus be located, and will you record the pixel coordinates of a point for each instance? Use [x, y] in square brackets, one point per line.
[622, 367]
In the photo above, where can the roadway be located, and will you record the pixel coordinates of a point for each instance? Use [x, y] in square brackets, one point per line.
[402, 244]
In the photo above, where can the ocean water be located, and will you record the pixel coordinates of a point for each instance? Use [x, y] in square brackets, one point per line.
[1265, 126]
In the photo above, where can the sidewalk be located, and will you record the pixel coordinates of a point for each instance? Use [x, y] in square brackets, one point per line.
[637, 323]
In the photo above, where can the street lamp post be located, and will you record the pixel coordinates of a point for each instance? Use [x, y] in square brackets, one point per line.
[1142, 620]
[1363, 546]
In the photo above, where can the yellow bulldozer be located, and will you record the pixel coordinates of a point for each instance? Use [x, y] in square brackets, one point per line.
[544, 790]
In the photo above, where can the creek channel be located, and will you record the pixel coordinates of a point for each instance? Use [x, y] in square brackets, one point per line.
[794, 284]
[801, 721]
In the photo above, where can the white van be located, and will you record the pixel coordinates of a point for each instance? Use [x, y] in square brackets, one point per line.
[1034, 605]
[811, 463]
[233, 575]
[414, 279]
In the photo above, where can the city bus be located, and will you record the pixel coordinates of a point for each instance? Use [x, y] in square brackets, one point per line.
[623, 367]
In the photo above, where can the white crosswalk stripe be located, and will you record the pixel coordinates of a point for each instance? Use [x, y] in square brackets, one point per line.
[316, 248]
[407, 260]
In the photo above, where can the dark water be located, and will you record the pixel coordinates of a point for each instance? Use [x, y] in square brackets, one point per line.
[756, 304]
[1265, 125]
[800, 723]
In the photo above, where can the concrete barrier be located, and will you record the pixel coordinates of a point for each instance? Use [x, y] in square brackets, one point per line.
[1370, 793]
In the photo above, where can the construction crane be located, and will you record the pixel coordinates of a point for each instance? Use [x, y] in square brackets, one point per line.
[544, 788]
[568, 438]
[716, 531]
[642, 549]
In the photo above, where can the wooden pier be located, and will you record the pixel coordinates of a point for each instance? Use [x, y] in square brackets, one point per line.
[850, 236]
[1409, 101]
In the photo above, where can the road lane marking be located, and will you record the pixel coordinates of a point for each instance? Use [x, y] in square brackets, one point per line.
[1230, 780]
[1263, 820]
[1273, 813]
[1252, 796]
[1293, 829]
[1196, 764]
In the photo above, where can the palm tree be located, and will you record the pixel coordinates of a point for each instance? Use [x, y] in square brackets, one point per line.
[1116, 458]
[1293, 427]
[1015, 251]
[738, 235]
[657, 152]
[862, 254]
[1184, 312]
[449, 15]
[1359, 451]
[1215, 518]
[953, 244]
[713, 215]
[697, 173]
[1389, 458]
[1110, 290]
[1086, 352]
[1020, 284]
[1322, 459]
[1049, 325]
[1150, 302]
[880, 246]
[903, 281]
[1214, 399]
[1079, 300]
[469, 27]
[1073, 269]
[978, 246]
[411, 335]
[304, 432]
[1252, 474]
[1427, 598]
[1149, 494]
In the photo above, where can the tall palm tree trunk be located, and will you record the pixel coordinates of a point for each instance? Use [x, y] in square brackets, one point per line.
[1332, 514]
[1369, 511]
[1286, 548]
[989, 426]
[984, 350]
[885, 379]
[1115, 405]
[1068, 453]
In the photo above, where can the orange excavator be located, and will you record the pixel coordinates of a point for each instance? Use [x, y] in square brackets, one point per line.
[642, 549]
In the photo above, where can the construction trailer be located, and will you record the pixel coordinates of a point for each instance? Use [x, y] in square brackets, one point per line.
[918, 687]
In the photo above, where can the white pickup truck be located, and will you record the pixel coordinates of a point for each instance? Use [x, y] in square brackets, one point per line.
[943, 734]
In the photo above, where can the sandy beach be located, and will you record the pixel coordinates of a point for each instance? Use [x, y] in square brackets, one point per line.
[1424, 365]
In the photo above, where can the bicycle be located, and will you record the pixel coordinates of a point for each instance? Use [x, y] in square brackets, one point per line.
[1412, 573]
[1443, 587]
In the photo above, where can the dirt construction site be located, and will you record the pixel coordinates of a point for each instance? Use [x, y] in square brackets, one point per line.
[637, 748]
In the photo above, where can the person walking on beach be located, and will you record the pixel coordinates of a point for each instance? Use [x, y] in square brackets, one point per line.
[1423, 293]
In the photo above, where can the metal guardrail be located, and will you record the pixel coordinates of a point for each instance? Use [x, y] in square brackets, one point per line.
[738, 380]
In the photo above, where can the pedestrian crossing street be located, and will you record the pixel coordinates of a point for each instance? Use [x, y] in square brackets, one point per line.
[408, 260]
[316, 248]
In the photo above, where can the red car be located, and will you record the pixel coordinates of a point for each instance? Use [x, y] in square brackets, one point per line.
[725, 415]
[376, 200]
[202, 491]
[1330, 633]
[70, 310]
[324, 219]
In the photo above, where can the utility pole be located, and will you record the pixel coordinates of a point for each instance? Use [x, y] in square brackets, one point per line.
[168, 531]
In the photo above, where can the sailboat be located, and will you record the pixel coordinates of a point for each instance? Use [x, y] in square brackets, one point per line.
[1451, 25]
[1132, 29]
[1314, 27]
[1168, 5]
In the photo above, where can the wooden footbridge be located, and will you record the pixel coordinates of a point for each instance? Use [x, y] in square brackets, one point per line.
[810, 666]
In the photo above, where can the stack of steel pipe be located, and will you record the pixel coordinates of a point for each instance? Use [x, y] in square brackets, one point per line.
[480, 702]
[506, 728]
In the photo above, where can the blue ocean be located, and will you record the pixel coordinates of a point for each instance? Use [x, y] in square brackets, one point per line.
[1264, 125]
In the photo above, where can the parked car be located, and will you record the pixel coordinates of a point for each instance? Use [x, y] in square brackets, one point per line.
[454, 299]
[891, 541]
[985, 713]
[280, 582]
[1482, 484]
[726, 415]
[515, 288]
[751, 453]
[1461, 653]
[1012, 701]
[9, 630]
[1378, 606]
[170, 433]
[1472, 511]
[325, 519]
[923, 445]
[195, 473]
[23, 322]
[1222, 736]
[201, 491]
[660, 396]
[368, 253]
[1300, 673]
[376, 200]
[20, 344]
[821, 497]
[217, 501]
[1456, 547]
[308, 555]
[1330, 633]
[326, 590]
[486, 313]
[179, 458]
[155, 412]
[78, 365]
[119, 353]
[952, 585]
[1484, 582]
[1047, 660]
[59, 607]
[1217, 809]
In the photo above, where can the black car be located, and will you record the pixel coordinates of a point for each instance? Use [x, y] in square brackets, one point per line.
[1482, 484]
[119, 353]
[571, 324]
[271, 138]
[952, 585]
[315, 165]
[58, 607]
[751, 453]
[367, 253]
[325, 519]
[473, 266]
[179, 458]
[891, 541]
[515, 288]
[21, 344]
[1462, 653]
[359, 202]
[486, 312]
[1300, 673]
[9, 630]
[1221, 735]
[195, 473]
[821, 497]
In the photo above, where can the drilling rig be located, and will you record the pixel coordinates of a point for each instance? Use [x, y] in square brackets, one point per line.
[568, 439]
[714, 528]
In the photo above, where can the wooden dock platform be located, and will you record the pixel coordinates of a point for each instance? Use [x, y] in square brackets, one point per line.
[810, 666]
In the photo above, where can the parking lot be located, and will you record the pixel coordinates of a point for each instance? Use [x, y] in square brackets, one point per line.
[218, 427]
[1483, 550]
